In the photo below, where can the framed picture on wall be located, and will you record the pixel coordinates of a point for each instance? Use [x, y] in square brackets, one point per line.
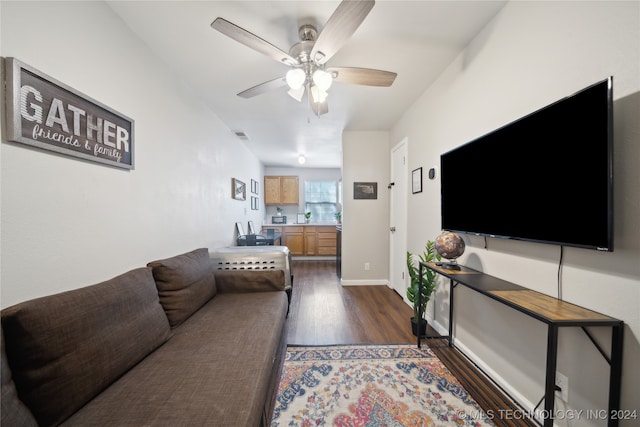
[254, 203]
[416, 181]
[238, 189]
[254, 186]
[365, 190]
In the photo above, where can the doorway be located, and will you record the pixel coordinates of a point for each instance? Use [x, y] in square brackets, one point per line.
[398, 219]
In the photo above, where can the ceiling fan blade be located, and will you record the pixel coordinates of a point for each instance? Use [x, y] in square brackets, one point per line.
[362, 76]
[263, 88]
[319, 108]
[251, 40]
[341, 25]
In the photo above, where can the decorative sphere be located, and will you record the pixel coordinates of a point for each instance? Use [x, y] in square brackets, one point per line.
[449, 245]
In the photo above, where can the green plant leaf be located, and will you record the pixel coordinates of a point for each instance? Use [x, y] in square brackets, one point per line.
[428, 279]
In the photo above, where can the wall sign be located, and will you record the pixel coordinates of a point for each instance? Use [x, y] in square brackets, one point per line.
[45, 113]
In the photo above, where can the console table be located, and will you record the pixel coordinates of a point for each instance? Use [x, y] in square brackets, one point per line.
[553, 312]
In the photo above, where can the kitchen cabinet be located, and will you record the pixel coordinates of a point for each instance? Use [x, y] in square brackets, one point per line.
[326, 238]
[293, 238]
[281, 190]
[308, 240]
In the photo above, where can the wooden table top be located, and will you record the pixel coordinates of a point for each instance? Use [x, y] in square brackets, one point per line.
[536, 304]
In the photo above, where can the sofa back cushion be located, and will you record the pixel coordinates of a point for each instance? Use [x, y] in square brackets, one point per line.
[14, 412]
[66, 348]
[185, 283]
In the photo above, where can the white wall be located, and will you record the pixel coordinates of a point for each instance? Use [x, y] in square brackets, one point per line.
[534, 53]
[365, 223]
[67, 223]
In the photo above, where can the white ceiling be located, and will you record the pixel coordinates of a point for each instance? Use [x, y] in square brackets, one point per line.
[415, 39]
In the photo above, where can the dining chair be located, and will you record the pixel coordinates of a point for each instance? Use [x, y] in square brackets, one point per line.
[239, 229]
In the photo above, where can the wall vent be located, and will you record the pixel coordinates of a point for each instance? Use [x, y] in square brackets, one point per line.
[241, 134]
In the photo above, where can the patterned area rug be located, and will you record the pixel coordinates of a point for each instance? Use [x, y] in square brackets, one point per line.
[373, 386]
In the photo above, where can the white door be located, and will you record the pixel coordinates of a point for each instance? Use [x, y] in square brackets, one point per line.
[398, 218]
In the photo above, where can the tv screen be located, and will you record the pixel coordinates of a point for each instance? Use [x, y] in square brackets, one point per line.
[547, 177]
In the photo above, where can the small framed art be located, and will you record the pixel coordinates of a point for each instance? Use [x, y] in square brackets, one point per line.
[416, 181]
[238, 189]
[365, 190]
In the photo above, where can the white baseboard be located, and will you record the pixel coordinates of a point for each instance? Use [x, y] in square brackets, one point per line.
[525, 403]
[513, 393]
[375, 282]
[437, 326]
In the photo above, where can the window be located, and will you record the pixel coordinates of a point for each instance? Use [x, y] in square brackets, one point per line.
[320, 198]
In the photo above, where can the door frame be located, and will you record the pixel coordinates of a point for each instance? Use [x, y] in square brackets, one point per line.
[398, 204]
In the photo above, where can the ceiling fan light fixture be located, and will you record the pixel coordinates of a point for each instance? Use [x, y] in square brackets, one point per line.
[318, 95]
[296, 93]
[295, 78]
[322, 80]
[308, 57]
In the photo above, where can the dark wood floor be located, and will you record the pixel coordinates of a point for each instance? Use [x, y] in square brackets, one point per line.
[323, 313]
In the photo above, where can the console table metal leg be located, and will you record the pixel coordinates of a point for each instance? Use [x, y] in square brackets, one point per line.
[451, 287]
[550, 378]
[420, 314]
[615, 374]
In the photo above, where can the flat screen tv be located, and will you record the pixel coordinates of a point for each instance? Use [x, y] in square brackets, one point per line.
[547, 177]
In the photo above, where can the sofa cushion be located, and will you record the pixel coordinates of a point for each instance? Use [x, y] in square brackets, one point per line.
[64, 349]
[185, 283]
[234, 281]
[14, 412]
[218, 369]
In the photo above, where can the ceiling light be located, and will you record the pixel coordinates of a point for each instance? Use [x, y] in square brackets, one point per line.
[296, 78]
[301, 159]
[317, 82]
[318, 95]
[322, 79]
[296, 93]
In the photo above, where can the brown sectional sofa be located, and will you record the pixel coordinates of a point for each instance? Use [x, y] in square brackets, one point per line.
[176, 343]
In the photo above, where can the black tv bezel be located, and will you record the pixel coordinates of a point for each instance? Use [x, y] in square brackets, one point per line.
[610, 229]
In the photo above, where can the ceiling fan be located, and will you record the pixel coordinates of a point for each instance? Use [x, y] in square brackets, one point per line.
[308, 57]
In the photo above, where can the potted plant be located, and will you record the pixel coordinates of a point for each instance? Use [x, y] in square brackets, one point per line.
[338, 216]
[308, 217]
[428, 286]
[278, 211]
